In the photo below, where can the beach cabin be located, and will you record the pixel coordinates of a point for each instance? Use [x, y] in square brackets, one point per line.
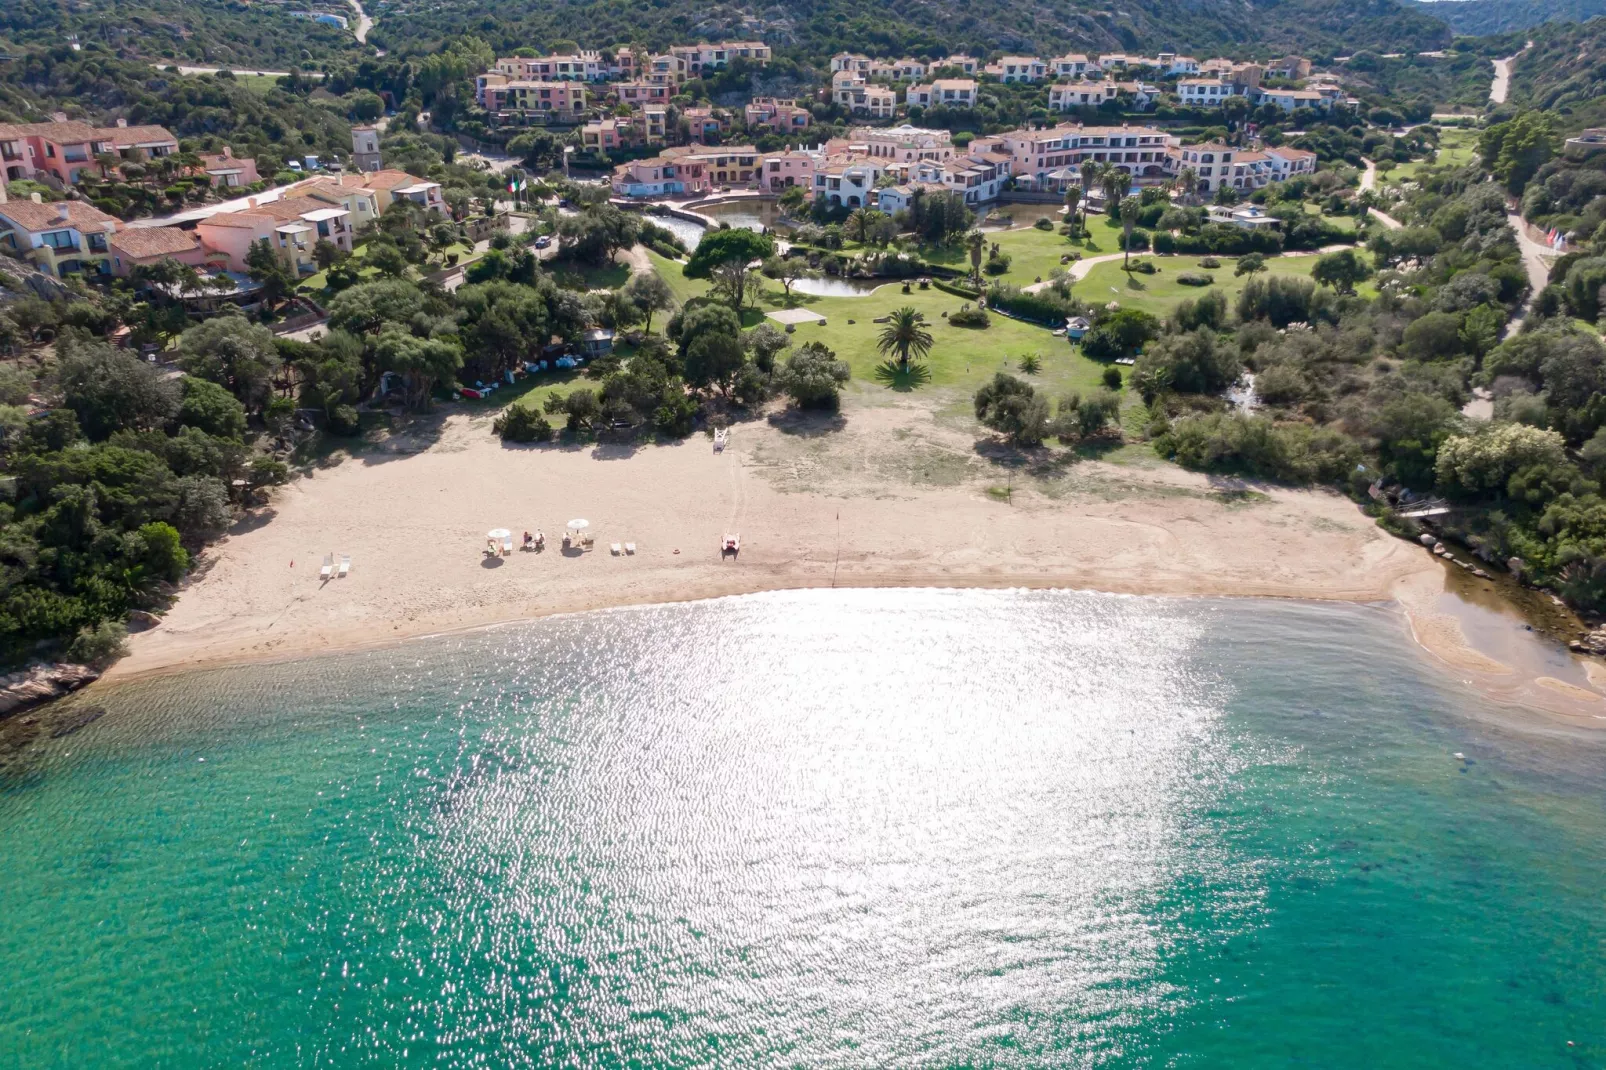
[1076, 327]
[597, 342]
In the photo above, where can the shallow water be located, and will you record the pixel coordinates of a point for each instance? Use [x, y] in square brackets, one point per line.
[842, 828]
[835, 286]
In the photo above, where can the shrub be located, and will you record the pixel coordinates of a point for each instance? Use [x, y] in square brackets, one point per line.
[1209, 262]
[1044, 223]
[813, 376]
[1294, 453]
[520, 423]
[1012, 406]
[343, 420]
[99, 645]
[970, 316]
[1112, 377]
[1142, 267]
[997, 263]
[1196, 278]
[1043, 306]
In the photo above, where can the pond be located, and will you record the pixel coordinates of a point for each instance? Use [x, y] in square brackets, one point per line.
[752, 214]
[828, 286]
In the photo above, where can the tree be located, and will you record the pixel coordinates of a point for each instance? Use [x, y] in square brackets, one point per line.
[726, 257]
[1434, 336]
[423, 363]
[1250, 264]
[267, 268]
[1486, 461]
[1091, 172]
[1130, 209]
[1340, 270]
[1515, 150]
[387, 258]
[792, 199]
[1115, 183]
[1013, 407]
[813, 377]
[111, 390]
[649, 292]
[787, 270]
[905, 336]
[1073, 203]
[368, 306]
[1192, 363]
[597, 233]
[765, 343]
[326, 254]
[210, 408]
[1187, 184]
[976, 243]
[715, 359]
[234, 353]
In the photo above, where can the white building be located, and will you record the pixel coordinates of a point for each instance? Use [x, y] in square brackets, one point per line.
[848, 182]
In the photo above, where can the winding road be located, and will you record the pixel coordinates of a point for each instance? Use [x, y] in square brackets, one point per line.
[1501, 86]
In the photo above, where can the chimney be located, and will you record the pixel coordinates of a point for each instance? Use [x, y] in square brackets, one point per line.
[250, 202]
[122, 124]
[58, 116]
[228, 152]
[35, 198]
[61, 211]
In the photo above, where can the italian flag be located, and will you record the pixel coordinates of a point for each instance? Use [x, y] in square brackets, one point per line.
[515, 185]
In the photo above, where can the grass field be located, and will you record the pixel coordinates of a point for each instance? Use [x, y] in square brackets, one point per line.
[1456, 147]
[1160, 293]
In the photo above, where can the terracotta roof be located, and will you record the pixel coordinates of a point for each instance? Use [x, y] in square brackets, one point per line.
[41, 217]
[247, 220]
[385, 180]
[134, 135]
[142, 242]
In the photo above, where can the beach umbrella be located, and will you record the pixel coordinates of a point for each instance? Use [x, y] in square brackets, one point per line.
[498, 534]
[579, 525]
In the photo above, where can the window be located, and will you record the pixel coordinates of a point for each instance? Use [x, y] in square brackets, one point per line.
[60, 239]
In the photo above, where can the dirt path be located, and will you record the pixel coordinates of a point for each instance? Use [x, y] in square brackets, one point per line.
[1501, 86]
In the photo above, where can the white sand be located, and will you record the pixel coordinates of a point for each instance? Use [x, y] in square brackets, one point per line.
[891, 498]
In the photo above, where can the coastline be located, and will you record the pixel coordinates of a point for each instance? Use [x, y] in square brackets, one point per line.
[889, 497]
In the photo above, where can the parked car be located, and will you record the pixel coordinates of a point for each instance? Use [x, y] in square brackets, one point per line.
[543, 241]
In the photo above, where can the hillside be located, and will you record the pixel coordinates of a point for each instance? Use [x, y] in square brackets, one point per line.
[1565, 74]
[210, 32]
[810, 30]
[1478, 18]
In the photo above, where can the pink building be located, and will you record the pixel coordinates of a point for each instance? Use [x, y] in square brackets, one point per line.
[65, 149]
[661, 176]
[146, 246]
[229, 171]
[779, 115]
[789, 169]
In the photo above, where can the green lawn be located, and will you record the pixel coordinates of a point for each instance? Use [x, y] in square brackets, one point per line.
[685, 289]
[1160, 293]
[1456, 147]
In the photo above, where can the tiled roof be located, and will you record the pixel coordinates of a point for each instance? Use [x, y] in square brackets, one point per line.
[142, 242]
[122, 136]
[247, 220]
[40, 217]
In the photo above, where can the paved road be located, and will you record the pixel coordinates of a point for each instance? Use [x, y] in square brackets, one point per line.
[1501, 86]
[364, 23]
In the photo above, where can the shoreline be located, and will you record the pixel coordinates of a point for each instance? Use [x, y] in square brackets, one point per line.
[892, 496]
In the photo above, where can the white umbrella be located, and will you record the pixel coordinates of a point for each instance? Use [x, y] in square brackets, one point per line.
[579, 525]
[498, 534]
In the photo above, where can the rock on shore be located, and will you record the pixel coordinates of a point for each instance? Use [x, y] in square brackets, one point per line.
[41, 683]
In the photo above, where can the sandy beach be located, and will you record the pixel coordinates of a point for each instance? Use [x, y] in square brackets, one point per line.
[893, 495]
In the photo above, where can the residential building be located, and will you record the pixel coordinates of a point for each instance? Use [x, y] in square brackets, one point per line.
[892, 199]
[849, 90]
[978, 176]
[777, 114]
[959, 62]
[660, 176]
[788, 169]
[1293, 68]
[1035, 154]
[388, 186]
[1063, 96]
[551, 101]
[586, 66]
[667, 69]
[705, 125]
[1289, 99]
[853, 62]
[847, 181]
[1070, 65]
[1216, 165]
[291, 225]
[1286, 163]
[607, 135]
[135, 247]
[1586, 142]
[901, 70]
[365, 148]
[1172, 65]
[64, 149]
[60, 239]
[359, 201]
[1018, 69]
[896, 144]
[1245, 217]
[632, 94]
[953, 92]
[228, 171]
[1204, 92]
[705, 57]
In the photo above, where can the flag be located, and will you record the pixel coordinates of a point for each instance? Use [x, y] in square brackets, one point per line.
[515, 185]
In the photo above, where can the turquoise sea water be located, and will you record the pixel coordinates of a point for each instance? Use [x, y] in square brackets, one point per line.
[828, 828]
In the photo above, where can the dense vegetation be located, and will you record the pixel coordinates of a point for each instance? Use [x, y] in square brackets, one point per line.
[1480, 18]
[204, 32]
[815, 30]
[1562, 75]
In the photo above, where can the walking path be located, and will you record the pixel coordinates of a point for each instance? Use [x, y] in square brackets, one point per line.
[1501, 86]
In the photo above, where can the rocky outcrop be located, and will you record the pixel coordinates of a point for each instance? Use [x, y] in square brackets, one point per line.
[42, 683]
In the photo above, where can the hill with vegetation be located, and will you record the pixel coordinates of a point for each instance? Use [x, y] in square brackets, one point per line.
[810, 30]
[1479, 18]
[1563, 74]
[214, 33]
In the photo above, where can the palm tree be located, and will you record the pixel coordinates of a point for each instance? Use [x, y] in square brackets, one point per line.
[976, 242]
[1073, 200]
[1129, 209]
[1115, 182]
[1187, 182]
[854, 226]
[905, 336]
[1091, 170]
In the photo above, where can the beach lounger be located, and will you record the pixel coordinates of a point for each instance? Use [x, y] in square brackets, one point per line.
[630, 548]
[507, 546]
[328, 567]
[345, 564]
[615, 548]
